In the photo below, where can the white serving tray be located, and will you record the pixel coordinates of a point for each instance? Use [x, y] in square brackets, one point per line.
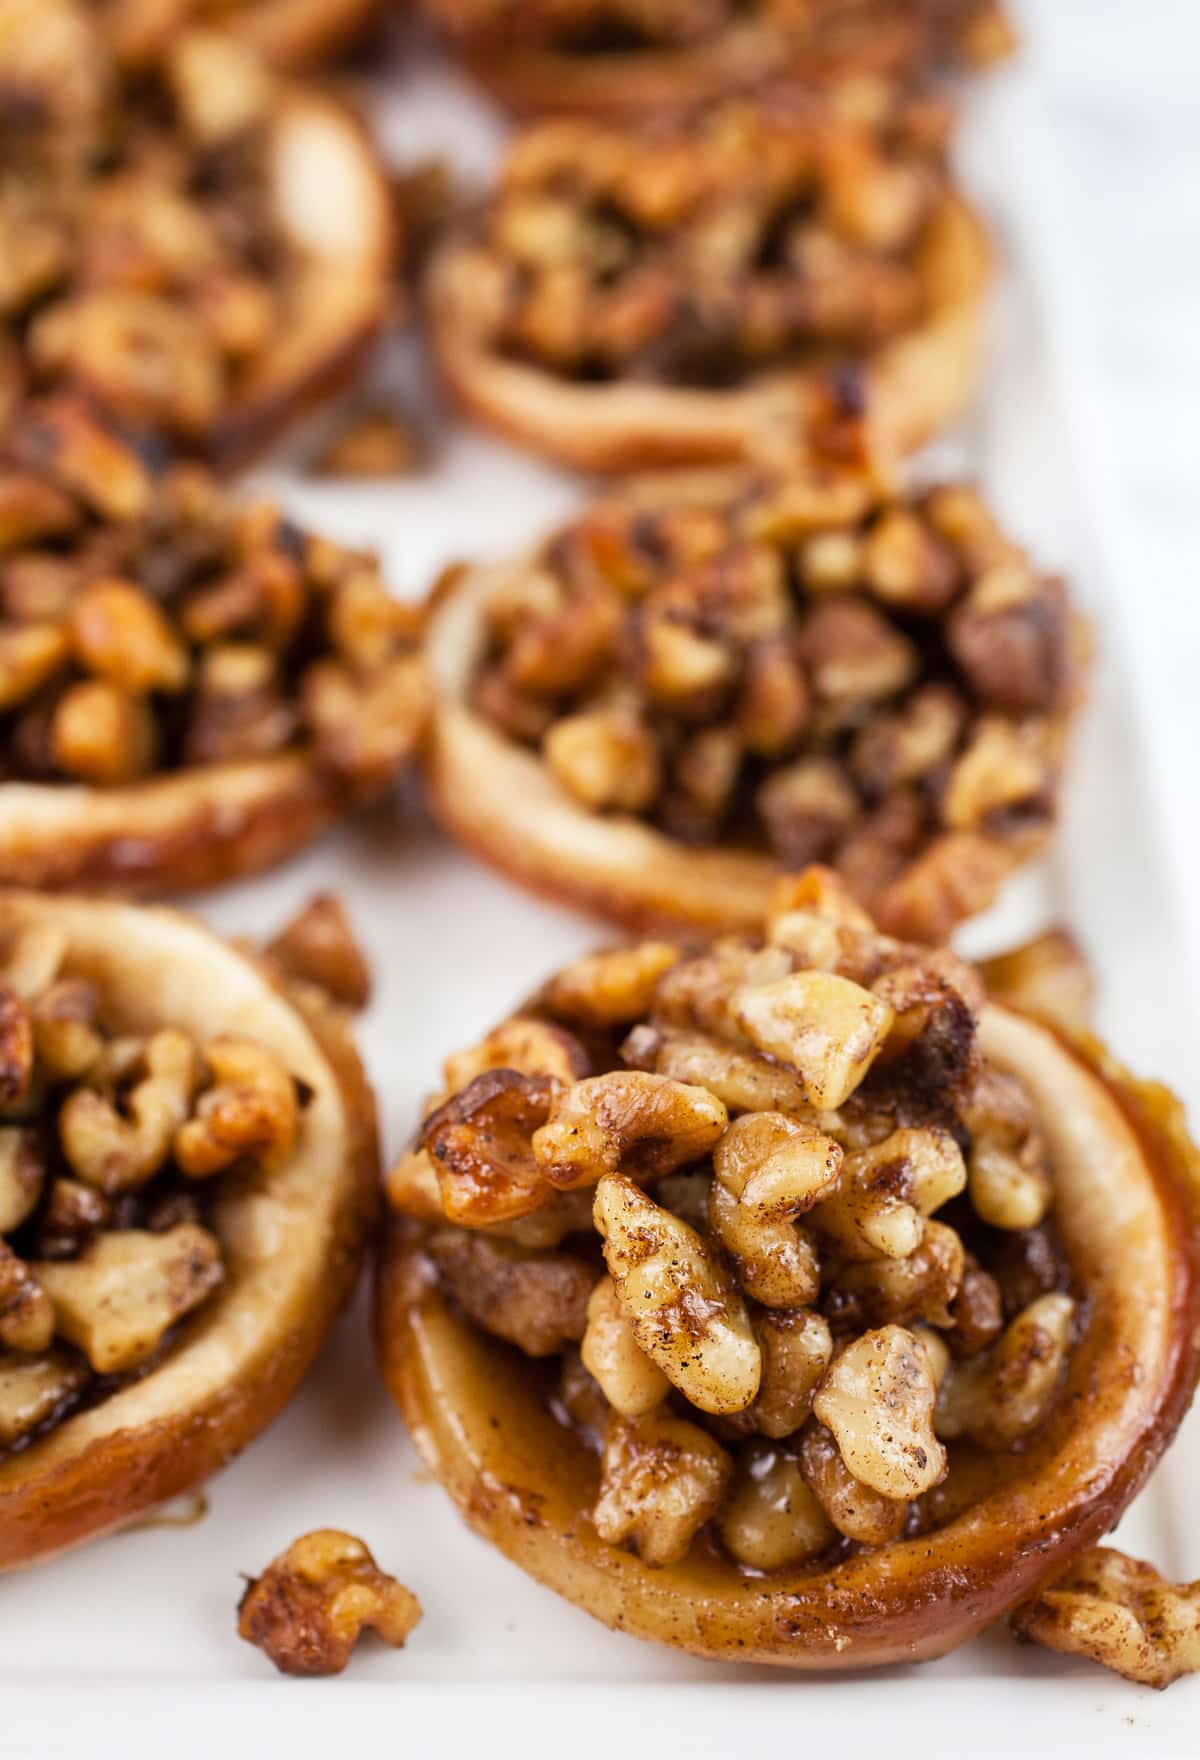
[128, 1647]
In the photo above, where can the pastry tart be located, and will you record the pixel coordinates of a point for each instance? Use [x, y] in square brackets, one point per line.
[756, 278]
[643, 55]
[286, 33]
[707, 676]
[786, 1300]
[187, 1175]
[190, 688]
[202, 253]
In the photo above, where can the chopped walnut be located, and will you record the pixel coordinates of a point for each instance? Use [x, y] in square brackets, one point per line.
[22, 1174]
[375, 443]
[1004, 1393]
[771, 1518]
[877, 1398]
[770, 1169]
[118, 1149]
[34, 1391]
[318, 946]
[686, 1313]
[826, 1027]
[26, 1313]
[127, 1289]
[643, 1123]
[662, 1479]
[251, 1110]
[481, 1144]
[525, 1044]
[1121, 1613]
[856, 1510]
[310, 1606]
[537, 1300]
[610, 989]
[631, 1383]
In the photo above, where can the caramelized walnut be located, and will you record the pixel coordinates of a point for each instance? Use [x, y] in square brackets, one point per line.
[1121, 1613]
[311, 1605]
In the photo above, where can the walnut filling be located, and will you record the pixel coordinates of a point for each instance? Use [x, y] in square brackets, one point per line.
[707, 250]
[115, 1149]
[149, 625]
[816, 668]
[832, 34]
[790, 1309]
[148, 257]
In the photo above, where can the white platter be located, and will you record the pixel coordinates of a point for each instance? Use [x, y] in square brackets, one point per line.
[128, 1647]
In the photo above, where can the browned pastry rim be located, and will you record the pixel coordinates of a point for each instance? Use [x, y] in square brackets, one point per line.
[502, 801]
[293, 1238]
[533, 80]
[1127, 1182]
[911, 387]
[199, 827]
[332, 203]
[287, 33]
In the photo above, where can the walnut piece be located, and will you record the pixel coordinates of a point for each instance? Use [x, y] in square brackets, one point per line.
[1004, 1394]
[536, 1300]
[877, 1398]
[1121, 1613]
[662, 1479]
[770, 1169]
[310, 1606]
[119, 1149]
[645, 1124]
[771, 1518]
[251, 1111]
[318, 946]
[687, 1313]
[127, 1288]
[631, 1383]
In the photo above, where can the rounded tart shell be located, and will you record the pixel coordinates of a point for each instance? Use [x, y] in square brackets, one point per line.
[1127, 1186]
[293, 1238]
[908, 389]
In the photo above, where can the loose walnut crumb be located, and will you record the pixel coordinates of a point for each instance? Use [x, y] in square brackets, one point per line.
[373, 443]
[310, 1606]
[1121, 1613]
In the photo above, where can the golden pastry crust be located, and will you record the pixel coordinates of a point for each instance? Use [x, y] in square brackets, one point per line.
[754, 279]
[283, 1242]
[190, 689]
[584, 56]
[1021, 1438]
[202, 255]
[741, 688]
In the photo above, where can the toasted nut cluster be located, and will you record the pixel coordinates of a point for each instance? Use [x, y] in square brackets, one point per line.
[311, 1605]
[149, 625]
[149, 262]
[1121, 1613]
[828, 38]
[107, 1142]
[795, 1309]
[699, 252]
[819, 671]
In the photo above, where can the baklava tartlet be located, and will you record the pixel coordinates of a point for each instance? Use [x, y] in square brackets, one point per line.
[188, 1172]
[201, 253]
[704, 678]
[753, 278]
[190, 687]
[643, 55]
[785, 1299]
